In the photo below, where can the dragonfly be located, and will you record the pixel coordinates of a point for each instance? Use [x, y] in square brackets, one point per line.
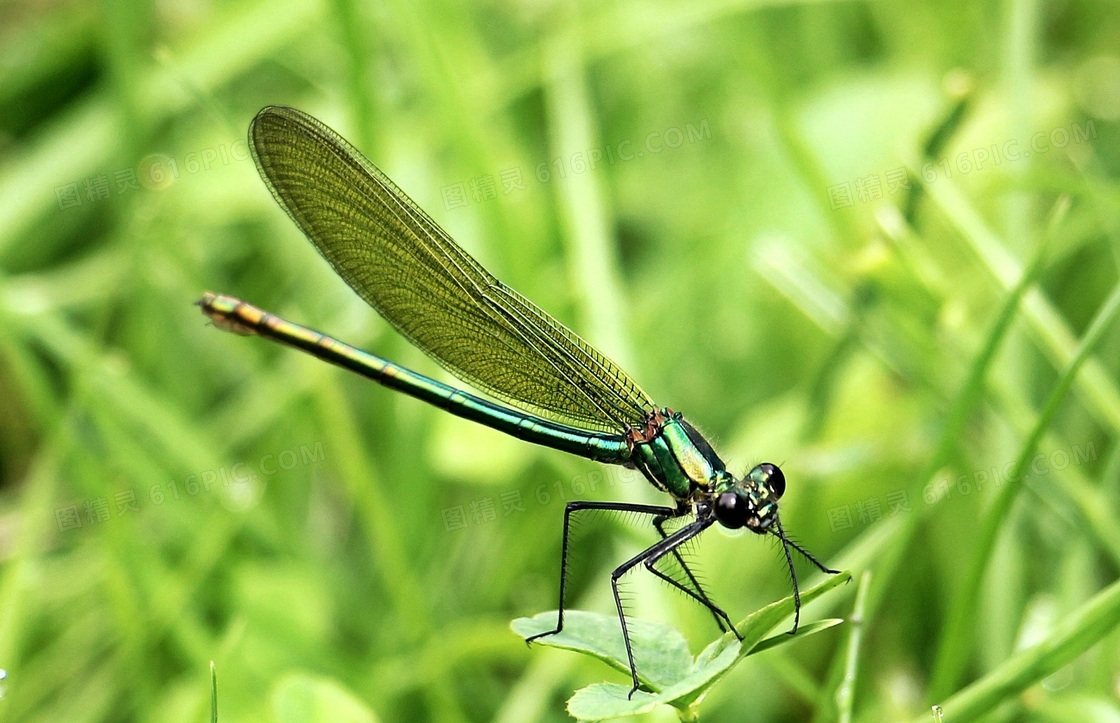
[544, 384]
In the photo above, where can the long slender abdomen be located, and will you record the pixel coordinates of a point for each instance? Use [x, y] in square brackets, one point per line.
[231, 314]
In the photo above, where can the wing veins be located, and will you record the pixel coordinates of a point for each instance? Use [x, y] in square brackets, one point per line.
[401, 262]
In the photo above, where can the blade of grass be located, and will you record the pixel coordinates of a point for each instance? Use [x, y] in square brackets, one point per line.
[356, 39]
[964, 404]
[40, 489]
[592, 259]
[382, 531]
[955, 646]
[1086, 499]
[1083, 629]
[846, 691]
[82, 139]
[1097, 389]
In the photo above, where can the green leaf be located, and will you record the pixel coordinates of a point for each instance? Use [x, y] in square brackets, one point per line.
[603, 701]
[802, 631]
[660, 651]
[664, 665]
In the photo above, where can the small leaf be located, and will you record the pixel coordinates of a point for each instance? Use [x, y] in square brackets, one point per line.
[603, 701]
[710, 668]
[755, 626]
[663, 646]
[805, 630]
[660, 651]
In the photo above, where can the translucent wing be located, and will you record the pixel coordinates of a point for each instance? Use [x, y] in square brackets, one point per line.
[407, 268]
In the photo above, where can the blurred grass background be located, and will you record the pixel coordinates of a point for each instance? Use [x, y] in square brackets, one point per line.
[876, 243]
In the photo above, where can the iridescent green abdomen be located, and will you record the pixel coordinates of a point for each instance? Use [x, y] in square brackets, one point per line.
[674, 457]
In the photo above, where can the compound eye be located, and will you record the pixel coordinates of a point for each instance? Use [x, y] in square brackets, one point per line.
[730, 511]
[772, 478]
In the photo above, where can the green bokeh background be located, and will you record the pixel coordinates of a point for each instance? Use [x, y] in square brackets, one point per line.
[800, 228]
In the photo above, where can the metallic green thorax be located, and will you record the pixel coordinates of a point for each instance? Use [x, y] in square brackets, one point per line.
[675, 457]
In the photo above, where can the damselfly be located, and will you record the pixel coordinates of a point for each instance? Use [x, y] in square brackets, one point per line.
[560, 391]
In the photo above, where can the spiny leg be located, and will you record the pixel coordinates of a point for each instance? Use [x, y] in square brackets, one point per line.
[793, 576]
[653, 552]
[808, 556]
[786, 544]
[696, 592]
[579, 506]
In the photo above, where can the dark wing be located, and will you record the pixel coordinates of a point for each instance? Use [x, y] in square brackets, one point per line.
[407, 268]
